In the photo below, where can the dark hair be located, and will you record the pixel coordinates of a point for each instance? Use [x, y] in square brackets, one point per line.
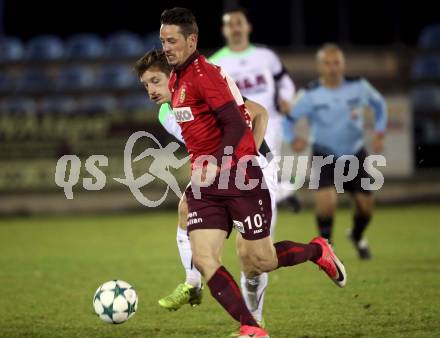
[181, 17]
[152, 59]
[237, 9]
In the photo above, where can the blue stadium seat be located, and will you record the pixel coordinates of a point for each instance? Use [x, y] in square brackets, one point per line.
[46, 47]
[430, 37]
[135, 102]
[96, 105]
[58, 105]
[18, 106]
[426, 67]
[152, 41]
[425, 131]
[426, 98]
[74, 78]
[84, 46]
[114, 77]
[34, 81]
[11, 49]
[124, 45]
[7, 84]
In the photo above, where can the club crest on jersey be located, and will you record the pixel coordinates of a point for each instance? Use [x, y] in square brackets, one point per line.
[182, 95]
[183, 114]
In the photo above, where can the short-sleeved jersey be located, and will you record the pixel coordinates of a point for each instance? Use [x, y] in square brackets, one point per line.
[256, 70]
[198, 92]
[261, 77]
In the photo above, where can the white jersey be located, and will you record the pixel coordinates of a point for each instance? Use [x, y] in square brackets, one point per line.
[261, 77]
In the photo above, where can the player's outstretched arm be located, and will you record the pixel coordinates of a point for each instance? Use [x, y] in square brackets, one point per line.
[259, 117]
[302, 108]
[377, 103]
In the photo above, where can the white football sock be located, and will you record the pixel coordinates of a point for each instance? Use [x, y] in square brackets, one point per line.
[253, 290]
[193, 276]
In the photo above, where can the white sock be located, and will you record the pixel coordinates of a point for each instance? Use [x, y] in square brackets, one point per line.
[253, 290]
[193, 276]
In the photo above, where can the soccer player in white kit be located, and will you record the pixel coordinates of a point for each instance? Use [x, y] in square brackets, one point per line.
[154, 73]
[261, 77]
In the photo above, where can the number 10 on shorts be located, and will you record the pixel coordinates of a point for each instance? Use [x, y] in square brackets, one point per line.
[255, 222]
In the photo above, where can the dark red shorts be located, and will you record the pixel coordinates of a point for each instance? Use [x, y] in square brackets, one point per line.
[250, 213]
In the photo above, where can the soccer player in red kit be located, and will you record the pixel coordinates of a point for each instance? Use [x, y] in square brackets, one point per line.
[213, 126]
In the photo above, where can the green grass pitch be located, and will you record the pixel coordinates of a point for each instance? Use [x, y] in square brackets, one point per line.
[50, 268]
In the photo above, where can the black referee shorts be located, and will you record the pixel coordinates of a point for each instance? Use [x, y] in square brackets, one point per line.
[327, 176]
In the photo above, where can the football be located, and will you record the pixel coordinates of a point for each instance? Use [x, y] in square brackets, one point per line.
[115, 301]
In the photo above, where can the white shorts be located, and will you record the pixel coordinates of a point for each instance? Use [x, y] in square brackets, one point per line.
[274, 135]
[270, 172]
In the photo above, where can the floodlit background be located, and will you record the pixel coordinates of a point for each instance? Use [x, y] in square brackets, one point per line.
[67, 87]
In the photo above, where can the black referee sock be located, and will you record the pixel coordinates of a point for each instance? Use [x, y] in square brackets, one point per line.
[325, 226]
[360, 223]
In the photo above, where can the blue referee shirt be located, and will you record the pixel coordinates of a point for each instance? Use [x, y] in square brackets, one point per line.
[336, 115]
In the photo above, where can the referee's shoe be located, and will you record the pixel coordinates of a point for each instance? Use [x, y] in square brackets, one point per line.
[361, 246]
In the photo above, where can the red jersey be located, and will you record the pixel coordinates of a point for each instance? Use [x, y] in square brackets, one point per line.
[198, 90]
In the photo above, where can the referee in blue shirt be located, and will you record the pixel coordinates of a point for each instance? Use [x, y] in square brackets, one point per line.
[333, 106]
